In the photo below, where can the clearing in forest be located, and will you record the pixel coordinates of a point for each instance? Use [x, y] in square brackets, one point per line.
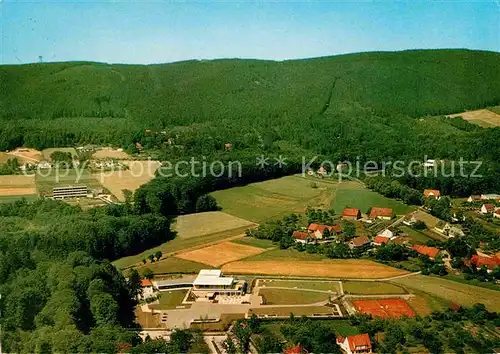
[139, 173]
[220, 253]
[332, 268]
[110, 153]
[482, 117]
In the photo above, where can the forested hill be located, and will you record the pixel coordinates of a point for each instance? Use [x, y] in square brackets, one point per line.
[414, 83]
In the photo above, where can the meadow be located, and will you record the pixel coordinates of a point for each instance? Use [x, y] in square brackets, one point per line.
[291, 296]
[371, 288]
[17, 186]
[462, 294]
[300, 284]
[46, 180]
[47, 152]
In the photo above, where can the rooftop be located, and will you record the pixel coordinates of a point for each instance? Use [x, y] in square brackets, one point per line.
[212, 277]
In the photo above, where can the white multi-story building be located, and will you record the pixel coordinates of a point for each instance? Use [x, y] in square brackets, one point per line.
[69, 192]
[211, 282]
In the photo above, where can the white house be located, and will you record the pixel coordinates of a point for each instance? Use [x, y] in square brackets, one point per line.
[386, 233]
[442, 228]
[487, 208]
[147, 289]
[490, 196]
[358, 344]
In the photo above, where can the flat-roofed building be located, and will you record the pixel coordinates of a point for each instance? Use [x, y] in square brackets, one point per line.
[69, 192]
[211, 282]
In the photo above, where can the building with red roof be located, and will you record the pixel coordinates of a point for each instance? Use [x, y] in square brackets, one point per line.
[381, 213]
[487, 208]
[351, 214]
[432, 193]
[358, 344]
[379, 240]
[480, 260]
[430, 252]
[318, 230]
[302, 236]
[296, 349]
[496, 214]
[145, 283]
[359, 242]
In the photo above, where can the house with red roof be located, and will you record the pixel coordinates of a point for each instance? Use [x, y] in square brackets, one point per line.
[496, 214]
[318, 230]
[358, 344]
[296, 349]
[381, 213]
[481, 260]
[380, 240]
[430, 252]
[303, 237]
[487, 208]
[147, 288]
[351, 214]
[359, 242]
[432, 193]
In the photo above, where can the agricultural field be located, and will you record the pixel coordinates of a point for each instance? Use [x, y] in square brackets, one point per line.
[255, 242]
[462, 294]
[46, 180]
[109, 153]
[483, 117]
[220, 253]
[332, 268]
[139, 173]
[17, 186]
[371, 288]
[291, 296]
[194, 225]
[47, 152]
[189, 238]
[275, 198]
[26, 155]
[13, 198]
[355, 195]
[332, 286]
[279, 254]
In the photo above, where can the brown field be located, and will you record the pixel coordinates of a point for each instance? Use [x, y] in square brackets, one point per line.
[482, 117]
[26, 155]
[17, 185]
[384, 308]
[139, 173]
[333, 268]
[220, 253]
[109, 153]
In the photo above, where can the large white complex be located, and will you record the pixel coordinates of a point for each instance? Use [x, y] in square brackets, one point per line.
[211, 282]
[69, 192]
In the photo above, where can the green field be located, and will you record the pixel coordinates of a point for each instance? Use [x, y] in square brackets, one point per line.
[13, 198]
[301, 284]
[286, 254]
[371, 288]
[46, 180]
[462, 294]
[174, 265]
[291, 296]
[340, 327]
[275, 198]
[355, 195]
[170, 299]
[255, 242]
[417, 236]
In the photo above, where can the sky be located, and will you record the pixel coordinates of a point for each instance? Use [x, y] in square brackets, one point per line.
[144, 32]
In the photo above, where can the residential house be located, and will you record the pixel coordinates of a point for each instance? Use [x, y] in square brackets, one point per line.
[147, 289]
[296, 349]
[303, 237]
[358, 344]
[351, 214]
[318, 230]
[432, 193]
[456, 231]
[496, 214]
[490, 196]
[430, 252]
[381, 213]
[379, 240]
[409, 220]
[359, 242]
[474, 198]
[487, 208]
[386, 233]
[481, 260]
[442, 227]
[44, 164]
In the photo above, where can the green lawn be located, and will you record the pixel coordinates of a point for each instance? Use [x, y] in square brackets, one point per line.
[475, 282]
[287, 310]
[279, 254]
[303, 284]
[275, 198]
[371, 288]
[13, 198]
[355, 195]
[174, 265]
[255, 242]
[417, 236]
[170, 299]
[291, 296]
[340, 327]
[462, 294]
